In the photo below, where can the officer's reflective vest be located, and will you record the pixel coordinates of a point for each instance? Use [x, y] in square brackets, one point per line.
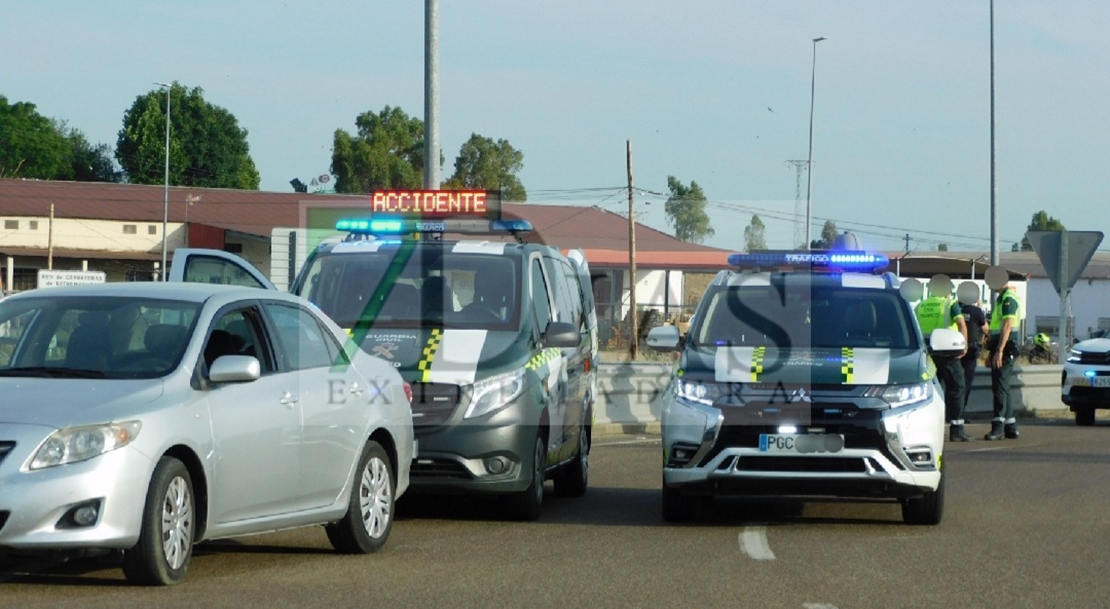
[935, 312]
[1006, 305]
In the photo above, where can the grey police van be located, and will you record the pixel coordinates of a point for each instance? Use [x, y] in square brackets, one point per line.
[497, 340]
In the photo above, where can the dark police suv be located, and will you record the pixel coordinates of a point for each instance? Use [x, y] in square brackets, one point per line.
[804, 375]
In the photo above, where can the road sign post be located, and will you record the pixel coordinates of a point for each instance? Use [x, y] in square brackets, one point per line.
[1064, 254]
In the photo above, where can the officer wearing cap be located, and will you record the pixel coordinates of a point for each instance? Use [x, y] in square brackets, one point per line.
[1003, 352]
[940, 310]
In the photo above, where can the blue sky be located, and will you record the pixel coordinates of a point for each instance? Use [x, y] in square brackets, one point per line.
[714, 91]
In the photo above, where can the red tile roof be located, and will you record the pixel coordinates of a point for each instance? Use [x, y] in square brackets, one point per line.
[602, 233]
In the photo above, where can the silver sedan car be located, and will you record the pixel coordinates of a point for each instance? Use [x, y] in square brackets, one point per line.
[147, 417]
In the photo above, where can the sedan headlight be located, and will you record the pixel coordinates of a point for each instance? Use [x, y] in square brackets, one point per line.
[898, 396]
[75, 444]
[697, 392]
[494, 393]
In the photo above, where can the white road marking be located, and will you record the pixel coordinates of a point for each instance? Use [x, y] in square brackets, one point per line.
[753, 541]
[983, 450]
[819, 606]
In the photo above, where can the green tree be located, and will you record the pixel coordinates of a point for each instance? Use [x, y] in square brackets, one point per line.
[208, 148]
[1041, 221]
[754, 234]
[488, 165]
[685, 209]
[386, 152]
[942, 247]
[88, 162]
[828, 237]
[30, 144]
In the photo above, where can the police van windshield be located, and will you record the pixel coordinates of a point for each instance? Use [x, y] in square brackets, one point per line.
[432, 288]
[817, 317]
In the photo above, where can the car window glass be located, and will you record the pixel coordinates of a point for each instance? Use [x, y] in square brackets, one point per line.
[112, 336]
[821, 317]
[210, 269]
[236, 333]
[452, 289]
[11, 333]
[541, 307]
[302, 341]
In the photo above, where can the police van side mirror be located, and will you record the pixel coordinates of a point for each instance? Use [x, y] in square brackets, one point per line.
[664, 338]
[946, 342]
[561, 334]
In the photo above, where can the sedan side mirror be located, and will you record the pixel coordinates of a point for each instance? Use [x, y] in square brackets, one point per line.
[235, 369]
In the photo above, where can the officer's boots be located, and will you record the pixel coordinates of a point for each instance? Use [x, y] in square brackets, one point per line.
[996, 432]
[956, 433]
[1011, 431]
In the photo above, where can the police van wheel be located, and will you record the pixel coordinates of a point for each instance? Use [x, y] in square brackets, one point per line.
[526, 504]
[572, 479]
[678, 507]
[927, 509]
[1085, 416]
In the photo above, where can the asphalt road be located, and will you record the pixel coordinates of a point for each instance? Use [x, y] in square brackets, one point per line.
[1025, 526]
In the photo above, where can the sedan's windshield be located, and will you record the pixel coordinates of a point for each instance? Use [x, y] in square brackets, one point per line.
[434, 286]
[817, 317]
[93, 337]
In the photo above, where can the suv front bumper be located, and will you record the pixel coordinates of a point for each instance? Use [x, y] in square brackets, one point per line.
[887, 454]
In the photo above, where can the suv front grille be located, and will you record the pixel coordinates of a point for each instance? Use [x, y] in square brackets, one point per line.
[742, 426]
[5, 448]
[434, 403]
[438, 468]
[1086, 357]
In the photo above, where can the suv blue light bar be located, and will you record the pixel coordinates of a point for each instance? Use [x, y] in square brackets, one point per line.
[817, 260]
[404, 226]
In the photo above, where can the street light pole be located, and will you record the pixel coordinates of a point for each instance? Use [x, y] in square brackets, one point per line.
[166, 189]
[809, 159]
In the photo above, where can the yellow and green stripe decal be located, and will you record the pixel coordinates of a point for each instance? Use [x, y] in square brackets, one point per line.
[848, 365]
[540, 359]
[757, 362]
[429, 355]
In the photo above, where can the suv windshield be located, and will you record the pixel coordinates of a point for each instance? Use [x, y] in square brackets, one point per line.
[815, 317]
[435, 287]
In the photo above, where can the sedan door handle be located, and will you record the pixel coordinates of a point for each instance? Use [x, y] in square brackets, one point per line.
[288, 399]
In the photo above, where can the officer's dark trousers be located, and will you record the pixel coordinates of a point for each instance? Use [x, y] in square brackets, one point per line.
[951, 375]
[1001, 381]
[970, 363]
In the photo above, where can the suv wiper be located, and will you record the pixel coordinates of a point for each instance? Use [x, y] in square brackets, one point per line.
[53, 372]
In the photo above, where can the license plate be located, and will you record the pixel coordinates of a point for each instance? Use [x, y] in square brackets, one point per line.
[801, 443]
[1100, 381]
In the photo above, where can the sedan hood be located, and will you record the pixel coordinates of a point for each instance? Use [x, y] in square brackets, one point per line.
[68, 402]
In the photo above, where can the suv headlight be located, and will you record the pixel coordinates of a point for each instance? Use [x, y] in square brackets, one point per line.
[898, 396]
[75, 444]
[1075, 355]
[494, 393]
[697, 392]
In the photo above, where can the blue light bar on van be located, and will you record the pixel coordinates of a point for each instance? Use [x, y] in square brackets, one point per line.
[403, 226]
[812, 260]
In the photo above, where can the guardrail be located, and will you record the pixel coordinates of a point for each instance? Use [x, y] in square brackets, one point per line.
[630, 393]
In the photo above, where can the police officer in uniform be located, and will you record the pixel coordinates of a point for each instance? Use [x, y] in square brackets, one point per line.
[977, 332]
[1003, 352]
[940, 310]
